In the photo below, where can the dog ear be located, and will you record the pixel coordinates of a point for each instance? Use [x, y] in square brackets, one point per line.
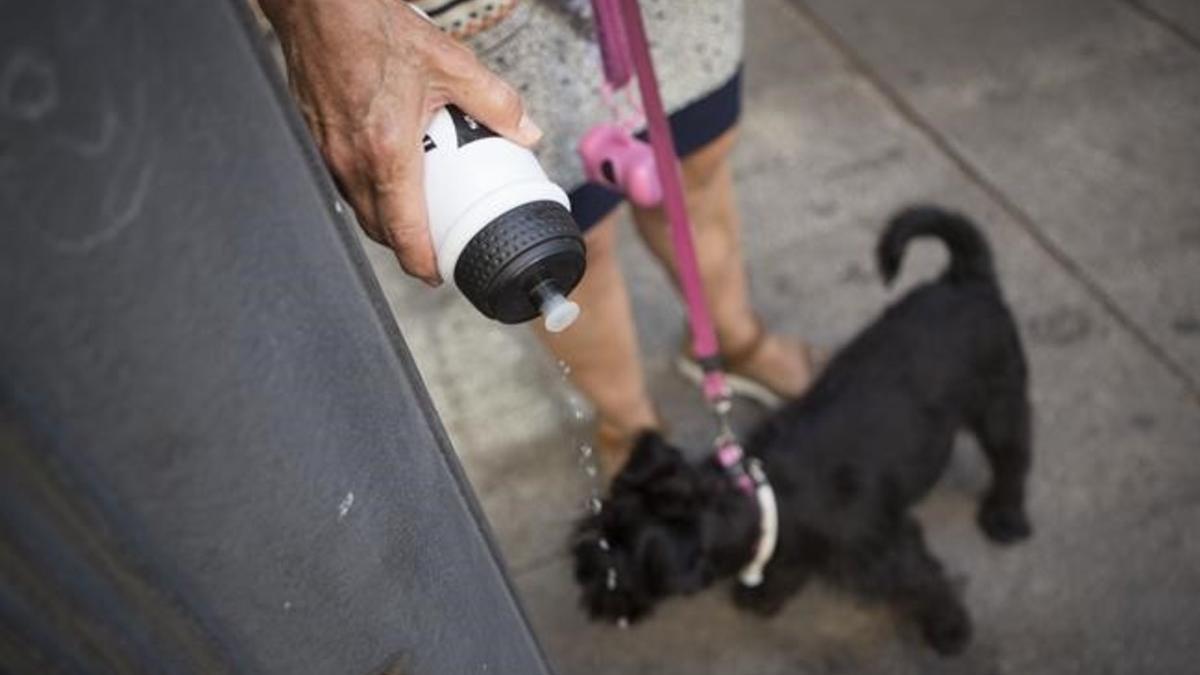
[652, 458]
[669, 561]
[662, 480]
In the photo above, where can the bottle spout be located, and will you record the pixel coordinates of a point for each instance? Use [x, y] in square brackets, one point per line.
[557, 311]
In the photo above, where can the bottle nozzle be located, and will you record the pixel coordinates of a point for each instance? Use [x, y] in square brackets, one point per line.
[557, 311]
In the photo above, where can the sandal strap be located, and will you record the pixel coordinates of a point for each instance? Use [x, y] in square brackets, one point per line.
[746, 385]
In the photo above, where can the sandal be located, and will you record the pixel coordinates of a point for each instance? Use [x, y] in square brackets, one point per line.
[745, 385]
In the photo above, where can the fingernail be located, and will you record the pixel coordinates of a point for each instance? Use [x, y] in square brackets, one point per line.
[529, 132]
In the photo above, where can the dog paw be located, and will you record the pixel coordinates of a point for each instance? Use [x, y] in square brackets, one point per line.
[1004, 524]
[948, 631]
[755, 599]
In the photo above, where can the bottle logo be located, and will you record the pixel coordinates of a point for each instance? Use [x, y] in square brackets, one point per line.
[467, 128]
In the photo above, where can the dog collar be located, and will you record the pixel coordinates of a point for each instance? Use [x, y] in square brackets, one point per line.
[751, 479]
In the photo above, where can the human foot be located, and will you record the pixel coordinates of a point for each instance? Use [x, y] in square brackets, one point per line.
[783, 365]
[768, 368]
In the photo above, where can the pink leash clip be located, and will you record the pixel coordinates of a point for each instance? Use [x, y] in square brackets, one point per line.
[616, 159]
[730, 456]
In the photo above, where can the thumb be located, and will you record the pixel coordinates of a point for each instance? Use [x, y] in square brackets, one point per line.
[485, 96]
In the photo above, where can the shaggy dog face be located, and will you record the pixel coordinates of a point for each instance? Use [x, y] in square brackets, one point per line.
[670, 528]
[847, 461]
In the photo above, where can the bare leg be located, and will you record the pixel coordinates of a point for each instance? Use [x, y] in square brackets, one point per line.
[781, 364]
[602, 350]
[601, 347]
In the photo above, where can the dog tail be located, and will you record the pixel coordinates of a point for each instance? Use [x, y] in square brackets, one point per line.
[970, 255]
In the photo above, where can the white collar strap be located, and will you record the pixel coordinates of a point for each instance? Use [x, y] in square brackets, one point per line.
[768, 526]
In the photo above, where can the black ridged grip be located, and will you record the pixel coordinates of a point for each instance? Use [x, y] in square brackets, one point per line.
[529, 244]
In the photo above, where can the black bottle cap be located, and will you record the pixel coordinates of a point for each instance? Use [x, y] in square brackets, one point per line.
[504, 263]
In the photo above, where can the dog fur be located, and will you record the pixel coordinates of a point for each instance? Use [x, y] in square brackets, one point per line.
[847, 461]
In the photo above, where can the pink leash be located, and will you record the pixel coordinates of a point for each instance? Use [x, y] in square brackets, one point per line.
[625, 52]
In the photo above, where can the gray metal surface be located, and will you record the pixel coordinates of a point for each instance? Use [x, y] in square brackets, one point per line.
[216, 452]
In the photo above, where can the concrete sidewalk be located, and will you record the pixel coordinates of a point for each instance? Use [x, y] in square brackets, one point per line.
[1071, 130]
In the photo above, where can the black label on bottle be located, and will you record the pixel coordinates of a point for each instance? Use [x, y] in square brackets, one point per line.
[467, 128]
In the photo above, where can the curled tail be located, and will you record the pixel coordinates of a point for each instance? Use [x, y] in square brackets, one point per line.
[970, 256]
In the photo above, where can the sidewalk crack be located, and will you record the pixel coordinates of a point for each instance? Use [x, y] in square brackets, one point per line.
[1165, 22]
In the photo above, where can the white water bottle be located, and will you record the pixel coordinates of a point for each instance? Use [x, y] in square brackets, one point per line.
[501, 230]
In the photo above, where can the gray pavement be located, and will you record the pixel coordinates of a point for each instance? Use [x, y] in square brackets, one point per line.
[1071, 130]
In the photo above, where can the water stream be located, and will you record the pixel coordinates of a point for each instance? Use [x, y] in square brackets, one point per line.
[579, 438]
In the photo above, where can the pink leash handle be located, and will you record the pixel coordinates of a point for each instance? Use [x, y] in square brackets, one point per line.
[704, 335]
[614, 43]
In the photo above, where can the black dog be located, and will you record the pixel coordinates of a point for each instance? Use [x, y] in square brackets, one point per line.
[846, 461]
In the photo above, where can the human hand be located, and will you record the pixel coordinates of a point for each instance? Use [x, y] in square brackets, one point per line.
[368, 76]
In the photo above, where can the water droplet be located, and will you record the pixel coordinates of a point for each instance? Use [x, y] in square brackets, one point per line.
[596, 505]
[585, 450]
[623, 623]
[603, 544]
[590, 471]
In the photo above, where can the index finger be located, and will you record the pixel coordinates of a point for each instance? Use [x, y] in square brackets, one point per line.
[490, 99]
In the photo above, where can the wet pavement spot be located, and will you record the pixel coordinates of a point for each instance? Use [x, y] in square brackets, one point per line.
[825, 209]
[1186, 325]
[857, 274]
[1142, 421]
[1059, 327]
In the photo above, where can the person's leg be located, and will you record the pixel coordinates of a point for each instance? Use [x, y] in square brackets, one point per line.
[601, 349]
[780, 363]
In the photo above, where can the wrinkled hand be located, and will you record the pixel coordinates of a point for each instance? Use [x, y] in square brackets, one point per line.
[368, 76]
